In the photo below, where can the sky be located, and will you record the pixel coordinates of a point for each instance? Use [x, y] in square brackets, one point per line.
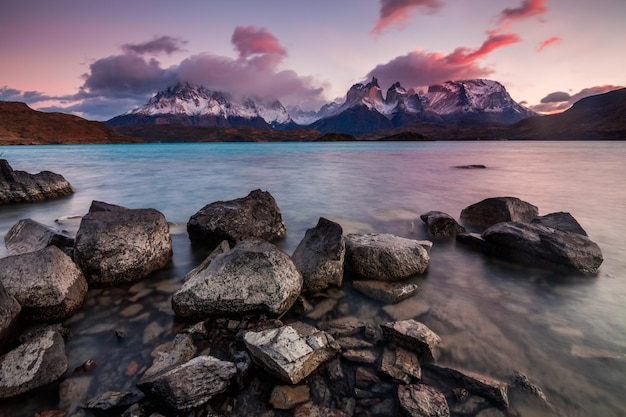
[99, 59]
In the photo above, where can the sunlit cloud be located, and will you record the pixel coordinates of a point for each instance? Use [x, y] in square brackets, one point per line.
[528, 8]
[464, 55]
[398, 12]
[560, 101]
[550, 41]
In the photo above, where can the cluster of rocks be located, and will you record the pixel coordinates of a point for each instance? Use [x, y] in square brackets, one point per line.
[22, 187]
[263, 324]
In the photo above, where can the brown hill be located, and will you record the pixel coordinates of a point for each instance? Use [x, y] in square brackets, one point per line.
[21, 125]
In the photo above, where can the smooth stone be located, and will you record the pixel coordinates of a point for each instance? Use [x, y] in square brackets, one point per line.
[441, 225]
[28, 235]
[494, 210]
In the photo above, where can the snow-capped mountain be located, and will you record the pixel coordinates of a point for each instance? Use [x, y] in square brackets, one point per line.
[195, 105]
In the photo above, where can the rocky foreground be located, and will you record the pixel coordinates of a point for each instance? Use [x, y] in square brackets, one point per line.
[257, 336]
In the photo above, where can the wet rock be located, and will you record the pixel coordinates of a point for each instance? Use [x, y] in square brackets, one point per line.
[385, 257]
[387, 292]
[311, 410]
[117, 245]
[540, 246]
[9, 312]
[471, 166]
[22, 187]
[285, 397]
[28, 235]
[35, 363]
[113, 402]
[256, 215]
[344, 326]
[407, 309]
[401, 365]
[414, 336]
[320, 256]
[494, 210]
[384, 408]
[47, 283]
[291, 352]
[73, 392]
[419, 400]
[365, 377]
[527, 398]
[189, 385]
[562, 221]
[223, 247]
[322, 308]
[253, 276]
[168, 355]
[441, 225]
[483, 386]
[368, 356]
[353, 343]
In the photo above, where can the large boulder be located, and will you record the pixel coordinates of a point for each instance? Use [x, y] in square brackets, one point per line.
[441, 225]
[254, 276]
[9, 312]
[22, 187]
[385, 257]
[35, 363]
[562, 221]
[47, 283]
[189, 385]
[256, 215]
[540, 246]
[118, 245]
[291, 352]
[27, 235]
[494, 210]
[320, 256]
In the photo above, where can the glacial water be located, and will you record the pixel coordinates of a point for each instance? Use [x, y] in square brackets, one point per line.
[567, 333]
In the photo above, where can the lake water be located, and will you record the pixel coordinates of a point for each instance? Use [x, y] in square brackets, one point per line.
[568, 334]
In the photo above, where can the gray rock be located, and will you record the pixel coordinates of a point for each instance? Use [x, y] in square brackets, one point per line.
[47, 284]
[401, 365]
[419, 400]
[320, 256]
[387, 292]
[562, 221]
[291, 352]
[35, 363]
[171, 354]
[414, 336]
[256, 215]
[385, 257]
[483, 386]
[28, 235]
[22, 187]
[9, 312]
[223, 247]
[189, 385]
[536, 245]
[441, 225]
[117, 245]
[253, 276]
[494, 210]
[113, 402]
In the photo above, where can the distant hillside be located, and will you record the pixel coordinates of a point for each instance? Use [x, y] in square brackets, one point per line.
[21, 125]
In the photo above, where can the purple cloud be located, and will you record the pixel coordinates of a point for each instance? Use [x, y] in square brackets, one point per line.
[560, 101]
[398, 12]
[163, 44]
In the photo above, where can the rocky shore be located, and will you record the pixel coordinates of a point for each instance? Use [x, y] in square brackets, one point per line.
[260, 332]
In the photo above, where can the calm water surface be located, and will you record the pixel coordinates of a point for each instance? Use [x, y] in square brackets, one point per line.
[567, 334]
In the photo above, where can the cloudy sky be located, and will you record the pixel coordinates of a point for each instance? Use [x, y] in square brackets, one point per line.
[98, 59]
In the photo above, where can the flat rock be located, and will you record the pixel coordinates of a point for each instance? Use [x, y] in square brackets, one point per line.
[441, 225]
[477, 384]
[494, 210]
[189, 385]
[320, 256]
[171, 354]
[47, 283]
[35, 363]
[401, 365]
[253, 276]
[28, 235]
[256, 215]
[291, 352]
[414, 336]
[22, 187]
[420, 400]
[116, 245]
[386, 257]
[9, 312]
[387, 292]
[113, 402]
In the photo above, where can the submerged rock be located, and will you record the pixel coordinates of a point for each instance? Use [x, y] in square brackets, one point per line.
[385, 257]
[441, 225]
[28, 235]
[47, 283]
[35, 363]
[113, 402]
[253, 276]
[414, 336]
[420, 400]
[387, 292]
[256, 215]
[22, 187]
[494, 210]
[320, 256]
[117, 245]
[291, 352]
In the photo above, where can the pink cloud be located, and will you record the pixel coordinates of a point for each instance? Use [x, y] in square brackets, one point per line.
[560, 101]
[464, 55]
[550, 41]
[528, 8]
[258, 45]
[398, 12]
